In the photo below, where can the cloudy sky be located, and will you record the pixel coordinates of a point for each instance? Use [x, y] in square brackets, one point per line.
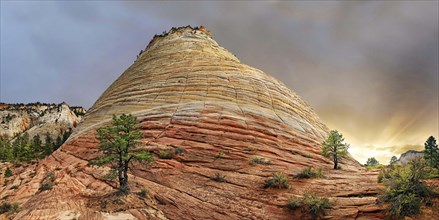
[369, 69]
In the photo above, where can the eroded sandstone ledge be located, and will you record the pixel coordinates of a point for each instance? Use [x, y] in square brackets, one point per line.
[190, 93]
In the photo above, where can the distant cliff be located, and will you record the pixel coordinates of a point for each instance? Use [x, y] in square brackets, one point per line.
[409, 155]
[38, 119]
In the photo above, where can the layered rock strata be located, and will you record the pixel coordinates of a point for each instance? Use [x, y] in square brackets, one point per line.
[38, 119]
[189, 93]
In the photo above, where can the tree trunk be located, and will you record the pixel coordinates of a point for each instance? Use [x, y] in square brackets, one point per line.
[124, 184]
[120, 174]
[120, 171]
[335, 162]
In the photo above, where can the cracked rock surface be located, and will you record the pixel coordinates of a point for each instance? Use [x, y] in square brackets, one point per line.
[188, 92]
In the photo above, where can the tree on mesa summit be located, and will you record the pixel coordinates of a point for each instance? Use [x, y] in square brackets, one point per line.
[333, 147]
[118, 144]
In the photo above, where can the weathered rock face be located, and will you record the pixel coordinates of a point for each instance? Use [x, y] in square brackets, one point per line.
[187, 77]
[409, 155]
[189, 93]
[37, 119]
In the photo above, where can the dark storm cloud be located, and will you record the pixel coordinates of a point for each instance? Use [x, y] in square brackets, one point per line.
[369, 69]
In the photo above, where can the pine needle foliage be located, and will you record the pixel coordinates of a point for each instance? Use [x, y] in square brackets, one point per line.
[333, 147]
[119, 148]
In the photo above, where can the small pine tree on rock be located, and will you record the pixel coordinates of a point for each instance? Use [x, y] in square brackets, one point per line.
[118, 145]
[333, 147]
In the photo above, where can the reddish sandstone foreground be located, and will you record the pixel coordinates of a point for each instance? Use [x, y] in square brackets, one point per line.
[190, 93]
[184, 190]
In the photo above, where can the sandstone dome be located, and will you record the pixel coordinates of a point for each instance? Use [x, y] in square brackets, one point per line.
[190, 93]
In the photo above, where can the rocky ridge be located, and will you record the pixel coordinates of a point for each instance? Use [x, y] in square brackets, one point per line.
[190, 93]
[38, 119]
[409, 155]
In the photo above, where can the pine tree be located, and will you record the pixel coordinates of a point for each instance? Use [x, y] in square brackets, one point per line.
[24, 153]
[393, 160]
[16, 149]
[66, 135]
[5, 150]
[58, 142]
[37, 146]
[118, 145]
[333, 147]
[48, 146]
[372, 162]
[431, 152]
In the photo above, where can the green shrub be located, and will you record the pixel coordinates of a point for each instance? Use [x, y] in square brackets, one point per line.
[179, 150]
[294, 203]
[48, 182]
[15, 208]
[219, 178]
[319, 172]
[384, 174]
[5, 207]
[315, 205]
[165, 155]
[309, 172]
[278, 180]
[8, 173]
[220, 155]
[49, 176]
[143, 193]
[432, 173]
[404, 189]
[310, 204]
[259, 160]
[46, 186]
[250, 149]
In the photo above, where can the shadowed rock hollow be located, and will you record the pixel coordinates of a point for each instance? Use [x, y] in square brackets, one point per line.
[188, 92]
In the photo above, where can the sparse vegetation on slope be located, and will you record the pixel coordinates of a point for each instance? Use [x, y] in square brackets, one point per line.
[8, 172]
[143, 193]
[309, 172]
[333, 147]
[5, 207]
[259, 160]
[219, 177]
[118, 145]
[165, 155]
[48, 182]
[405, 191]
[220, 155]
[24, 149]
[278, 180]
[179, 150]
[311, 205]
